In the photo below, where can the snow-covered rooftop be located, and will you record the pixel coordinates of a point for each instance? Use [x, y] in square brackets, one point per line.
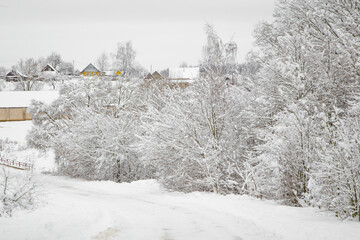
[48, 68]
[90, 68]
[24, 98]
[184, 73]
[14, 73]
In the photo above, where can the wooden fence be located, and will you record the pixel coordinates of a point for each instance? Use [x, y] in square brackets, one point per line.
[16, 164]
[14, 114]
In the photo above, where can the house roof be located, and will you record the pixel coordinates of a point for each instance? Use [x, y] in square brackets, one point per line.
[157, 75]
[149, 76]
[184, 73]
[24, 98]
[49, 68]
[14, 73]
[90, 68]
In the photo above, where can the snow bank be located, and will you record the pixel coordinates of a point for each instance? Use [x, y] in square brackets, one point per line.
[24, 98]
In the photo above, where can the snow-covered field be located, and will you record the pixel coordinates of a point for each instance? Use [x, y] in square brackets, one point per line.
[76, 209]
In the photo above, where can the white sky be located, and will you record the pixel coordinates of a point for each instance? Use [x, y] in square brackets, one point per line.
[164, 33]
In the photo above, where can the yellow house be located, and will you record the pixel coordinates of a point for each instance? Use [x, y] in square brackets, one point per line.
[118, 73]
[90, 70]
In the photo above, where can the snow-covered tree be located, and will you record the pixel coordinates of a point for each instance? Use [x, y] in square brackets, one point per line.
[103, 62]
[66, 68]
[54, 59]
[92, 129]
[197, 138]
[125, 57]
[3, 71]
[309, 72]
[335, 178]
[29, 70]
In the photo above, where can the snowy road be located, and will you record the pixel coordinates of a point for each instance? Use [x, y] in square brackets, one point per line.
[78, 209]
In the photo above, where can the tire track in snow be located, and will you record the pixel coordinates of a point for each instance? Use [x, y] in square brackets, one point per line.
[172, 217]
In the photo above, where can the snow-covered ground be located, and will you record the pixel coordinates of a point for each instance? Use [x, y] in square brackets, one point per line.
[76, 209]
[15, 130]
[79, 209]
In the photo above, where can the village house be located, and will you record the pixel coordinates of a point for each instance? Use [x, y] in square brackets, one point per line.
[149, 76]
[48, 72]
[154, 76]
[178, 77]
[49, 69]
[185, 73]
[90, 70]
[157, 75]
[14, 76]
[183, 77]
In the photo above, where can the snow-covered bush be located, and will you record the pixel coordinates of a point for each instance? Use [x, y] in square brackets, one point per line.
[17, 188]
[91, 128]
[6, 86]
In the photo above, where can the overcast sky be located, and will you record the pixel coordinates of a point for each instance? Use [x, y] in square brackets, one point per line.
[164, 33]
